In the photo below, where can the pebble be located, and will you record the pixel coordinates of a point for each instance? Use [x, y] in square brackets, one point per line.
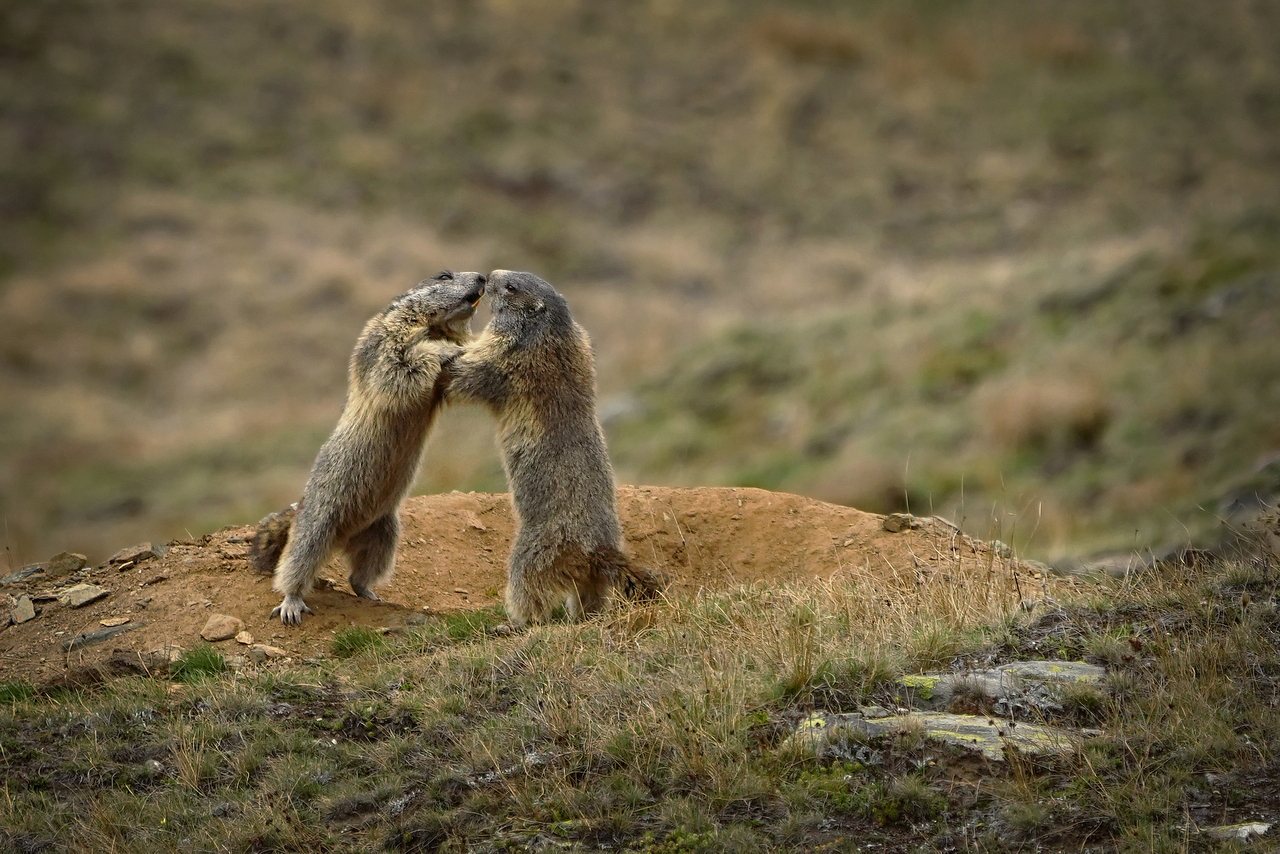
[220, 627]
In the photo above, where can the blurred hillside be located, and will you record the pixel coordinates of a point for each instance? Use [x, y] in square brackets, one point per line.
[1013, 262]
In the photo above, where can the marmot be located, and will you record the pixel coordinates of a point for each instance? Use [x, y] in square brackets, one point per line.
[533, 367]
[365, 468]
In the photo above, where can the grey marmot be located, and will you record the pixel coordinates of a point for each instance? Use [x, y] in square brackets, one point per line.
[532, 366]
[364, 469]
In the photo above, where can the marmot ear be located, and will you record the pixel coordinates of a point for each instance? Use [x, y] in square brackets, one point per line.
[539, 306]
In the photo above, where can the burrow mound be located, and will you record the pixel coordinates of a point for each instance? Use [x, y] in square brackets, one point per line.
[452, 557]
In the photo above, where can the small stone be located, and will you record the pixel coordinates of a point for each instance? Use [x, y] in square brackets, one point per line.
[23, 609]
[237, 662]
[261, 653]
[244, 638]
[64, 563]
[897, 522]
[113, 621]
[461, 592]
[134, 554]
[81, 595]
[221, 627]
[170, 653]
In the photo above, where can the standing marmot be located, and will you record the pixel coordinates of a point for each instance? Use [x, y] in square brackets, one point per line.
[364, 469]
[532, 366]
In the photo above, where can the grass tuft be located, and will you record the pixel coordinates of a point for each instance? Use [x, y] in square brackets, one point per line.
[351, 641]
[13, 692]
[198, 663]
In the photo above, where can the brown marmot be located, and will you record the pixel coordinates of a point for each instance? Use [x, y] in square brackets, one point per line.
[365, 468]
[533, 367]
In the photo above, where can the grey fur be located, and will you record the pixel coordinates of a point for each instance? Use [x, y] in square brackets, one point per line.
[533, 368]
[365, 468]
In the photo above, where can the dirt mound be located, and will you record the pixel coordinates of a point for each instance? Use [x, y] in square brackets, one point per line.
[452, 557]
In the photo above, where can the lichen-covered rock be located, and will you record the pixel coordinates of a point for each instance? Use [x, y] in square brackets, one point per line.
[979, 733]
[1034, 684]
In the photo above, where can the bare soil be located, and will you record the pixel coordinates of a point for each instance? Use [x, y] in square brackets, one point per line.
[452, 557]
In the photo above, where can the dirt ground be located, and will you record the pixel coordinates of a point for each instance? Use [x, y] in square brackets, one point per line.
[452, 557]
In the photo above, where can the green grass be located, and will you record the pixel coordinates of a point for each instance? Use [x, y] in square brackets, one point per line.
[202, 661]
[669, 738]
[351, 641]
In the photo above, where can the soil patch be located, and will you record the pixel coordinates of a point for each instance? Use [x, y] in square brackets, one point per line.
[452, 557]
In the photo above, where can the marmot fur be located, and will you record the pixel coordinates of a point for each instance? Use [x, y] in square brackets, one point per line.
[365, 468]
[533, 368]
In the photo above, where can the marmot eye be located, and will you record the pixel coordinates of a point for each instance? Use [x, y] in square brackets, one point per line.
[510, 288]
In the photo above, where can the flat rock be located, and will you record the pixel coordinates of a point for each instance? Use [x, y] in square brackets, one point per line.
[23, 609]
[978, 733]
[244, 638]
[64, 563]
[1244, 831]
[97, 636]
[135, 554]
[1033, 681]
[81, 595]
[220, 627]
[23, 575]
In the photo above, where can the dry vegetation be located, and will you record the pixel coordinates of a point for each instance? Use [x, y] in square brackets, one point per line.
[661, 729]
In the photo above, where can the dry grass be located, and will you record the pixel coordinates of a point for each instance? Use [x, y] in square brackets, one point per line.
[657, 729]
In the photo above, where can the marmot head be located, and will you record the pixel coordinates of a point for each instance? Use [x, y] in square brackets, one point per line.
[524, 305]
[443, 304]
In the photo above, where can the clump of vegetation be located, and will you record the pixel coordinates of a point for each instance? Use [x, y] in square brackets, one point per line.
[351, 641]
[198, 663]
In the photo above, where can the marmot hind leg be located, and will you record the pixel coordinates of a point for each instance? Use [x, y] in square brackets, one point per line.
[527, 604]
[372, 553]
[310, 542]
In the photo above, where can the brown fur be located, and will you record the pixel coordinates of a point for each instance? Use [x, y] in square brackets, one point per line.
[533, 368]
[365, 468]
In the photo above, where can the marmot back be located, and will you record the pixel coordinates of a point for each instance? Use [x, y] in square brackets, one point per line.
[363, 471]
[533, 368]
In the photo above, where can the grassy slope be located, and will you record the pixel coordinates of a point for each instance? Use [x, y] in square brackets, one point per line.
[661, 730]
[193, 190]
